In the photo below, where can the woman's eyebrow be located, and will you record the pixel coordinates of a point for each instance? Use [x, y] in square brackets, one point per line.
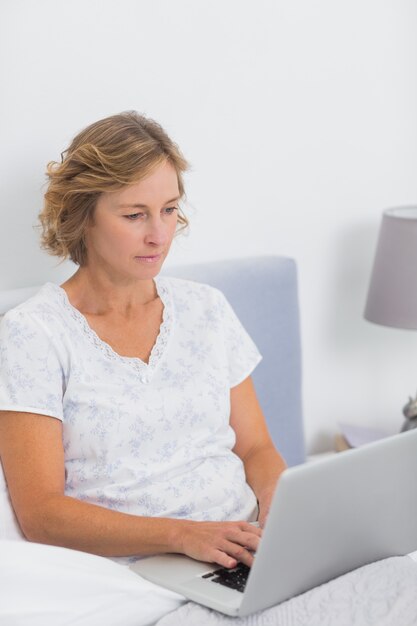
[137, 205]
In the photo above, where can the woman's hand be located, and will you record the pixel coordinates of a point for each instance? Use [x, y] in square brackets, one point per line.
[224, 543]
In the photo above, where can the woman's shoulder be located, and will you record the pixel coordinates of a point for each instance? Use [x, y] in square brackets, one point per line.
[42, 307]
[191, 290]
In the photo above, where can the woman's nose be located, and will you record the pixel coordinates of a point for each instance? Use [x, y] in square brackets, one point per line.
[157, 232]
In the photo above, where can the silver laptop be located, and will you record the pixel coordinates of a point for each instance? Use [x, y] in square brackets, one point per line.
[326, 518]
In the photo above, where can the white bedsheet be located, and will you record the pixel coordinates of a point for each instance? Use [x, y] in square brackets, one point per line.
[44, 585]
[380, 594]
[49, 586]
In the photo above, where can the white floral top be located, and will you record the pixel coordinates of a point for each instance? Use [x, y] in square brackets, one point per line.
[146, 439]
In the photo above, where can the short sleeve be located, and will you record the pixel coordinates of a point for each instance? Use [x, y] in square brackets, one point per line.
[31, 374]
[242, 354]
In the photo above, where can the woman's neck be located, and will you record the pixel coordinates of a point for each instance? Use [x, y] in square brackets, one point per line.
[100, 294]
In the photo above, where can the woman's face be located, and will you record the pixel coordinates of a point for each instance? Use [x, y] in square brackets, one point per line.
[132, 229]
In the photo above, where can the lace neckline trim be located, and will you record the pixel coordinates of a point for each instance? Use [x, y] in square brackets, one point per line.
[161, 341]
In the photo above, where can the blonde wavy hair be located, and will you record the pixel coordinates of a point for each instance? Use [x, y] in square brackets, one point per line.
[114, 152]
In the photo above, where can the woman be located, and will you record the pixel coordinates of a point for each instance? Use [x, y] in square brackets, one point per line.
[129, 423]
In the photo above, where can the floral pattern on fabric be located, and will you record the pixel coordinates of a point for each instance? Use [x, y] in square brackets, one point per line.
[146, 439]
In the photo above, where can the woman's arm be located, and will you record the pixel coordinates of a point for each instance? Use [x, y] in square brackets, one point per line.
[32, 455]
[263, 464]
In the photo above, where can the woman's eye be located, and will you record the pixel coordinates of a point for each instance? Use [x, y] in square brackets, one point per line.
[134, 216]
[139, 216]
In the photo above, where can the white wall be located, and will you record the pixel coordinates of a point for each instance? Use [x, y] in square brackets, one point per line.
[299, 119]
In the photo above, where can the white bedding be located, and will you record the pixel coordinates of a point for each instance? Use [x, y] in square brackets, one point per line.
[380, 594]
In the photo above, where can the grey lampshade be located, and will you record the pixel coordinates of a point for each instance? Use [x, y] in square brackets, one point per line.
[392, 295]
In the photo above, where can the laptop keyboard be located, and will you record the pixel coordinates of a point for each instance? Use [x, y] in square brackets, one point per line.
[234, 578]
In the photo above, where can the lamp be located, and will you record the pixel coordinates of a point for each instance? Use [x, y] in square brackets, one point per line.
[392, 295]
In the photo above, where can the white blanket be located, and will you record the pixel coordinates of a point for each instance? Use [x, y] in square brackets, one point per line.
[380, 594]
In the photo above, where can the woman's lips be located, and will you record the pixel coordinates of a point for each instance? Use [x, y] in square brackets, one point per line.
[148, 259]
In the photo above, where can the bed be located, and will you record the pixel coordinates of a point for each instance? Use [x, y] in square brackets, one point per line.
[263, 292]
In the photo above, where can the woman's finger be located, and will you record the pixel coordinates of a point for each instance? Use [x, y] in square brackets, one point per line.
[245, 539]
[250, 528]
[225, 560]
[238, 552]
